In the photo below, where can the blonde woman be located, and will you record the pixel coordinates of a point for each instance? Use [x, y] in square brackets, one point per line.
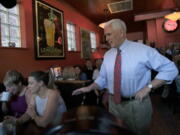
[14, 83]
[69, 73]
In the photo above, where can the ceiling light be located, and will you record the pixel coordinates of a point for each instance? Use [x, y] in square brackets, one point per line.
[102, 25]
[106, 11]
[173, 16]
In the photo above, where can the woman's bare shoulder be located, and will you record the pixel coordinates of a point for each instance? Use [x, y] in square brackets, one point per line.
[53, 93]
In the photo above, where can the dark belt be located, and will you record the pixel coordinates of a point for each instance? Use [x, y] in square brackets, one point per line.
[127, 98]
[123, 99]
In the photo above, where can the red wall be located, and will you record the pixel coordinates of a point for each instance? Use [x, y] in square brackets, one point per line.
[23, 60]
[155, 33]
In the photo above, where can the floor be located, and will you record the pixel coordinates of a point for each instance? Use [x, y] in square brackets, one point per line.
[165, 121]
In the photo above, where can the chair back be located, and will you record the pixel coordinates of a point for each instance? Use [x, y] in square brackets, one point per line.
[66, 88]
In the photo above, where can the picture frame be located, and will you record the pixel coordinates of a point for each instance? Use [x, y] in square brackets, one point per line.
[86, 52]
[49, 31]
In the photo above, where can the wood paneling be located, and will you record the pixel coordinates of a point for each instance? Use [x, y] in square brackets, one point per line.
[94, 10]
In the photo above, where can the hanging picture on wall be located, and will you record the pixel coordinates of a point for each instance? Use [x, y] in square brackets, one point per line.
[49, 38]
[85, 44]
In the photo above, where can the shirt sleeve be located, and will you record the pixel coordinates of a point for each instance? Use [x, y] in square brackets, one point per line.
[94, 74]
[101, 79]
[166, 69]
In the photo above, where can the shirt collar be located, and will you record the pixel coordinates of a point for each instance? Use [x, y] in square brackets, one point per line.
[123, 45]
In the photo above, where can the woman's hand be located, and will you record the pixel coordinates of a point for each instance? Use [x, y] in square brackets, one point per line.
[28, 95]
[31, 108]
[4, 107]
[31, 111]
[9, 120]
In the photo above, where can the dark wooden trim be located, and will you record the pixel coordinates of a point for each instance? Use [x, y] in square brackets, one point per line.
[152, 15]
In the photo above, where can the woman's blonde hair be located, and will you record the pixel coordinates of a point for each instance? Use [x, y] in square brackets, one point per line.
[68, 73]
[13, 77]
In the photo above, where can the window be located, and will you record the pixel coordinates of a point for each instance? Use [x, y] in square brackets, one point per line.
[93, 40]
[10, 27]
[71, 37]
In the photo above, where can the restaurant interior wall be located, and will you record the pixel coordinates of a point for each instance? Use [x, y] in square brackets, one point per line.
[156, 33]
[23, 59]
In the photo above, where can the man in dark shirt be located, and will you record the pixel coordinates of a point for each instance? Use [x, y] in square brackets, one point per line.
[88, 69]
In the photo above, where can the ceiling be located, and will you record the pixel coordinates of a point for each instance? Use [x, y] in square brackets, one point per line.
[94, 9]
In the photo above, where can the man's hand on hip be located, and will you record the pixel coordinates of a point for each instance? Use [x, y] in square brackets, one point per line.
[142, 93]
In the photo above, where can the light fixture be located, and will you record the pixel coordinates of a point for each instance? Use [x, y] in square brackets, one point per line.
[173, 16]
[8, 3]
[105, 14]
[102, 25]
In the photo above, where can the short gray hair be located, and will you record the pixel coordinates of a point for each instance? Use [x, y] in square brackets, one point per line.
[116, 23]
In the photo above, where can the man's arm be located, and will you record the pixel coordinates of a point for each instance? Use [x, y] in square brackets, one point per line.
[25, 117]
[157, 83]
[147, 89]
[86, 89]
[167, 71]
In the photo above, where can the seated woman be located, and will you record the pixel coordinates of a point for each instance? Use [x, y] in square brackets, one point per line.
[14, 83]
[80, 75]
[46, 105]
[98, 63]
[68, 73]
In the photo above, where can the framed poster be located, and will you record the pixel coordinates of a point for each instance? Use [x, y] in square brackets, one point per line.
[49, 36]
[85, 44]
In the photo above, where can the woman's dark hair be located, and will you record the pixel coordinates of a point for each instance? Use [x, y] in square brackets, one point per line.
[40, 76]
[78, 67]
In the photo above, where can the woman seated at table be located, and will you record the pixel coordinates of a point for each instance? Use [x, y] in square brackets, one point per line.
[80, 75]
[68, 73]
[46, 106]
[14, 83]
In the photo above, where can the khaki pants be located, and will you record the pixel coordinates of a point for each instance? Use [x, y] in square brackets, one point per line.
[134, 113]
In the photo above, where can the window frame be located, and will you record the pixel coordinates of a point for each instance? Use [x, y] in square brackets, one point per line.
[93, 40]
[72, 38]
[18, 26]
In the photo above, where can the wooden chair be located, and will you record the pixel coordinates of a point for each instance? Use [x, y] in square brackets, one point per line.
[66, 88]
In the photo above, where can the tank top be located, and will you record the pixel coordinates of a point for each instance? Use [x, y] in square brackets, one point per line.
[41, 107]
[18, 106]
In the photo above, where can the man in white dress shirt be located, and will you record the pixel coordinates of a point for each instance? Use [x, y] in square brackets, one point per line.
[137, 60]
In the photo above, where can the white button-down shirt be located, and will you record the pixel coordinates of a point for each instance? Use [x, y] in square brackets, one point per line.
[137, 60]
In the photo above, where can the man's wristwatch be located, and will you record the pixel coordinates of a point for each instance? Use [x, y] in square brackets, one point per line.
[150, 86]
